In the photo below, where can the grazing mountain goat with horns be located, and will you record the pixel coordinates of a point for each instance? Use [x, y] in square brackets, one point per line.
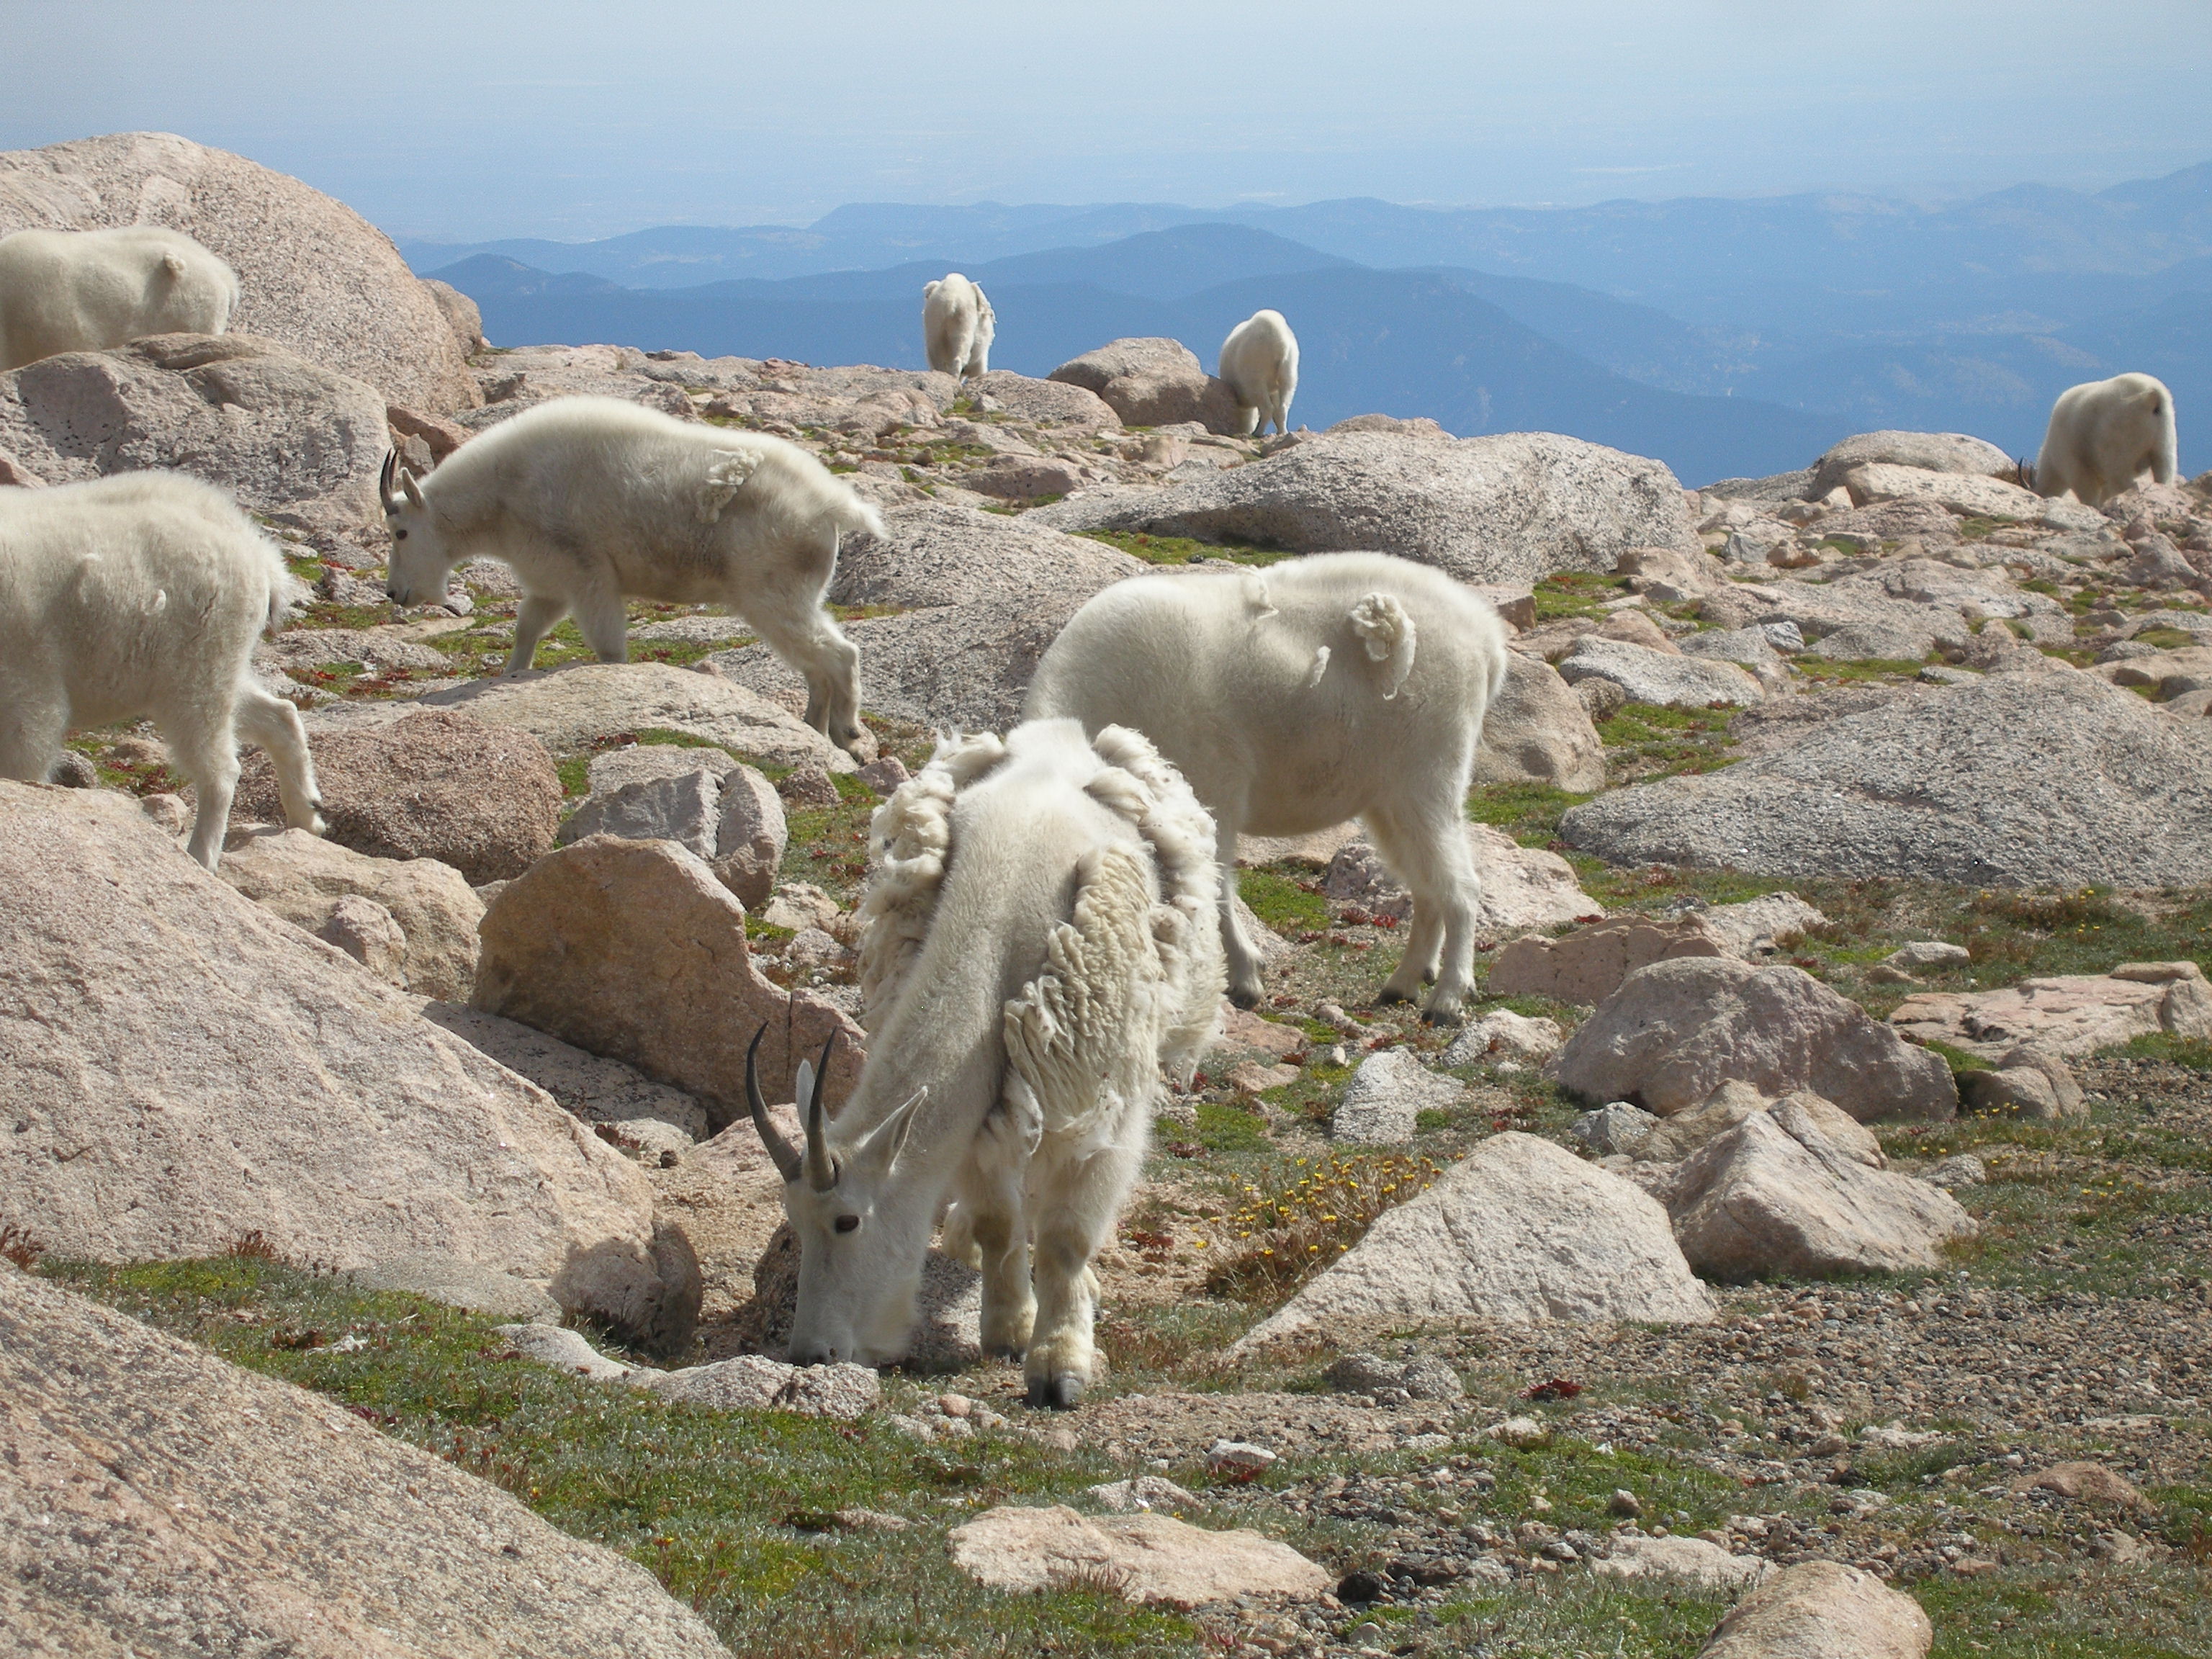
[85, 290]
[590, 500]
[143, 594]
[1037, 949]
[2103, 435]
[1260, 365]
[1322, 689]
[958, 326]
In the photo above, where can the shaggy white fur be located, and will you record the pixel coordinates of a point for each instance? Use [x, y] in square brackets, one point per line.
[958, 326]
[85, 290]
[1260, 365]
[141, 596]
[2104, 434]
[1036, 948]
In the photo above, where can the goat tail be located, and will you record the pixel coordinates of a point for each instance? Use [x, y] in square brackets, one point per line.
[1386, 628]
[854, 516]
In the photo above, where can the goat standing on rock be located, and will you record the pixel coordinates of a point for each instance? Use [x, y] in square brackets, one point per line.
[143, 594]
[2104, 434]
[1260, 365]
[591, 500]
[958, 327]
[1333, 686]
[1036, 948]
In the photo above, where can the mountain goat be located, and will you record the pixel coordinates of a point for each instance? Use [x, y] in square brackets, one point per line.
[2103, 433]
[85, 290]
[1036, 947]
[141, 595]
[958, 326]
[1260, 365]
[590, 500]
[1325, 688]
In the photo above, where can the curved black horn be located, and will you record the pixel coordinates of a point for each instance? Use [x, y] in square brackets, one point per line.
[385, 492]
[779, 1150]
[821, 1170]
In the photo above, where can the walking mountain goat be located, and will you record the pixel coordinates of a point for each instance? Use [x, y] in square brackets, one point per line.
[1036, 948]
[2103, 435]
[958, 326]
[86, 290]
[141, 595]
[591, 500]
[1335, 686]
[1260, 365]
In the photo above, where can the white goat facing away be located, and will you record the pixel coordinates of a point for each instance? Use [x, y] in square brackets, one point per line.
[2103, 435]
[141, 595]
[958, 326]
[1037, 949]
[1329, 687]
[591, 500]
[86, 290]
[1260, 365]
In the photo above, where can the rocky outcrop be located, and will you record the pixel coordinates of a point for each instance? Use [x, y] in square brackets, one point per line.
[1665, 679]
[728, 814]
[2020, 780]
[1521, 886]
[570, 948]
[156, 1500]
[303, 878]
[1511, 508]
[185, 1067]
[1676, 1031]
[1389, 1091]
[1588, 965]
[313, 275]
[1151, 382]
[1538, 730]
[292, 439]
[1929, 451]
[1148, 1559]
[1520, 1230]
[2065, 1013]
[431, 783]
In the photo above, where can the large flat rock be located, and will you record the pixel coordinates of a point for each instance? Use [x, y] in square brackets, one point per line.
[155, 1500]
[1511, 508]
[2017, 781]
[1520, 1231]
[2065, 1013]
[1151, 1558]
[182, 1067]
[313, 274]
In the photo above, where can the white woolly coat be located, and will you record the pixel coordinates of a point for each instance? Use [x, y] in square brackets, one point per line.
[85, 290]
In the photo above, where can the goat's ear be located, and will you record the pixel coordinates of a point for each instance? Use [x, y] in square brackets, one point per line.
[888, 1140]
[407, 483]
[802, 1086]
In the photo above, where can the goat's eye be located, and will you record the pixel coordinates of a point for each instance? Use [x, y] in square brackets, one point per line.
[846, 1223]
[399, 535]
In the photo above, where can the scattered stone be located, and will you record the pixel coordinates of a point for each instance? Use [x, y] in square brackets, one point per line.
[1521, 886]
[808, 787]
[1521, 1433]
[1587, 966]
[1616, 1128]
[1667, 679]
[1823, 1610]
[1501, 1034]
[1389, 1091]
[1677, 1137]
[2065, 1013]
[732, 817]
[157, 1014]
[1538, 730]
[1141, 1493]
[443, 1277]
[182, 1505]
[365, 930]
[1676, 1031]
[567, 946]
[1761, 926]
[1960, 1170]
[565, 1350]
[435, 784]
[1147, 1558]
[305, 879]
[2091, 1483]
[1928, 953]
[1692, 1561]
[753, 1381]
[884, 775]
[1773, 1195]
[1520, 1231]
[864, 1519]
[1238, 1457]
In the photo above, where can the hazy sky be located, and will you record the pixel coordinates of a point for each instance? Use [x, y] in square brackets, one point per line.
[551, 118]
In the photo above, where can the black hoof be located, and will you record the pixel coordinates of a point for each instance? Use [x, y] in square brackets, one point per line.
[1385, 997]
[1434, 1017]
[1063, 1393]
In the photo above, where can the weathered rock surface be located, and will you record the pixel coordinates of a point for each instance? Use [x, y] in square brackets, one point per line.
[1676, 1031]
[1692, 1560]
[1501, 1034]
[1047, 403]
[1774, 1195]
[569, 709]
[1674, 1139]
[1521, 886]
[1149, 1558]
[983, 595]
[444, 1277]
[565, 1350]
[1151, 382]
[185, 1067]
[1957, 492]
[633, 949]
[313, 274]
[729, 815]
[1538, 730]
[1823, 1610]
[1668, 679]
[155, 1500]
[753, 1381]
[1510, 508]
[291, 439]
[2065, 1013]
[1520, 1230]
[596, 1089]
[2020, 780]
[365, 930]
[303, 877]
[1386, 1094]
[435, 784]
[1588, 965]
[2092, 1482]
[1931, 451]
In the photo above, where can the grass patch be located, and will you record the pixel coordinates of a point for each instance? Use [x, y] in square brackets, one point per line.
[1226, 1129]
[1182, 550]
[1288, 903]
[2193, 1052]
[1576, 593]
[1529, 813]
[1826, 672]
[1643, 741]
